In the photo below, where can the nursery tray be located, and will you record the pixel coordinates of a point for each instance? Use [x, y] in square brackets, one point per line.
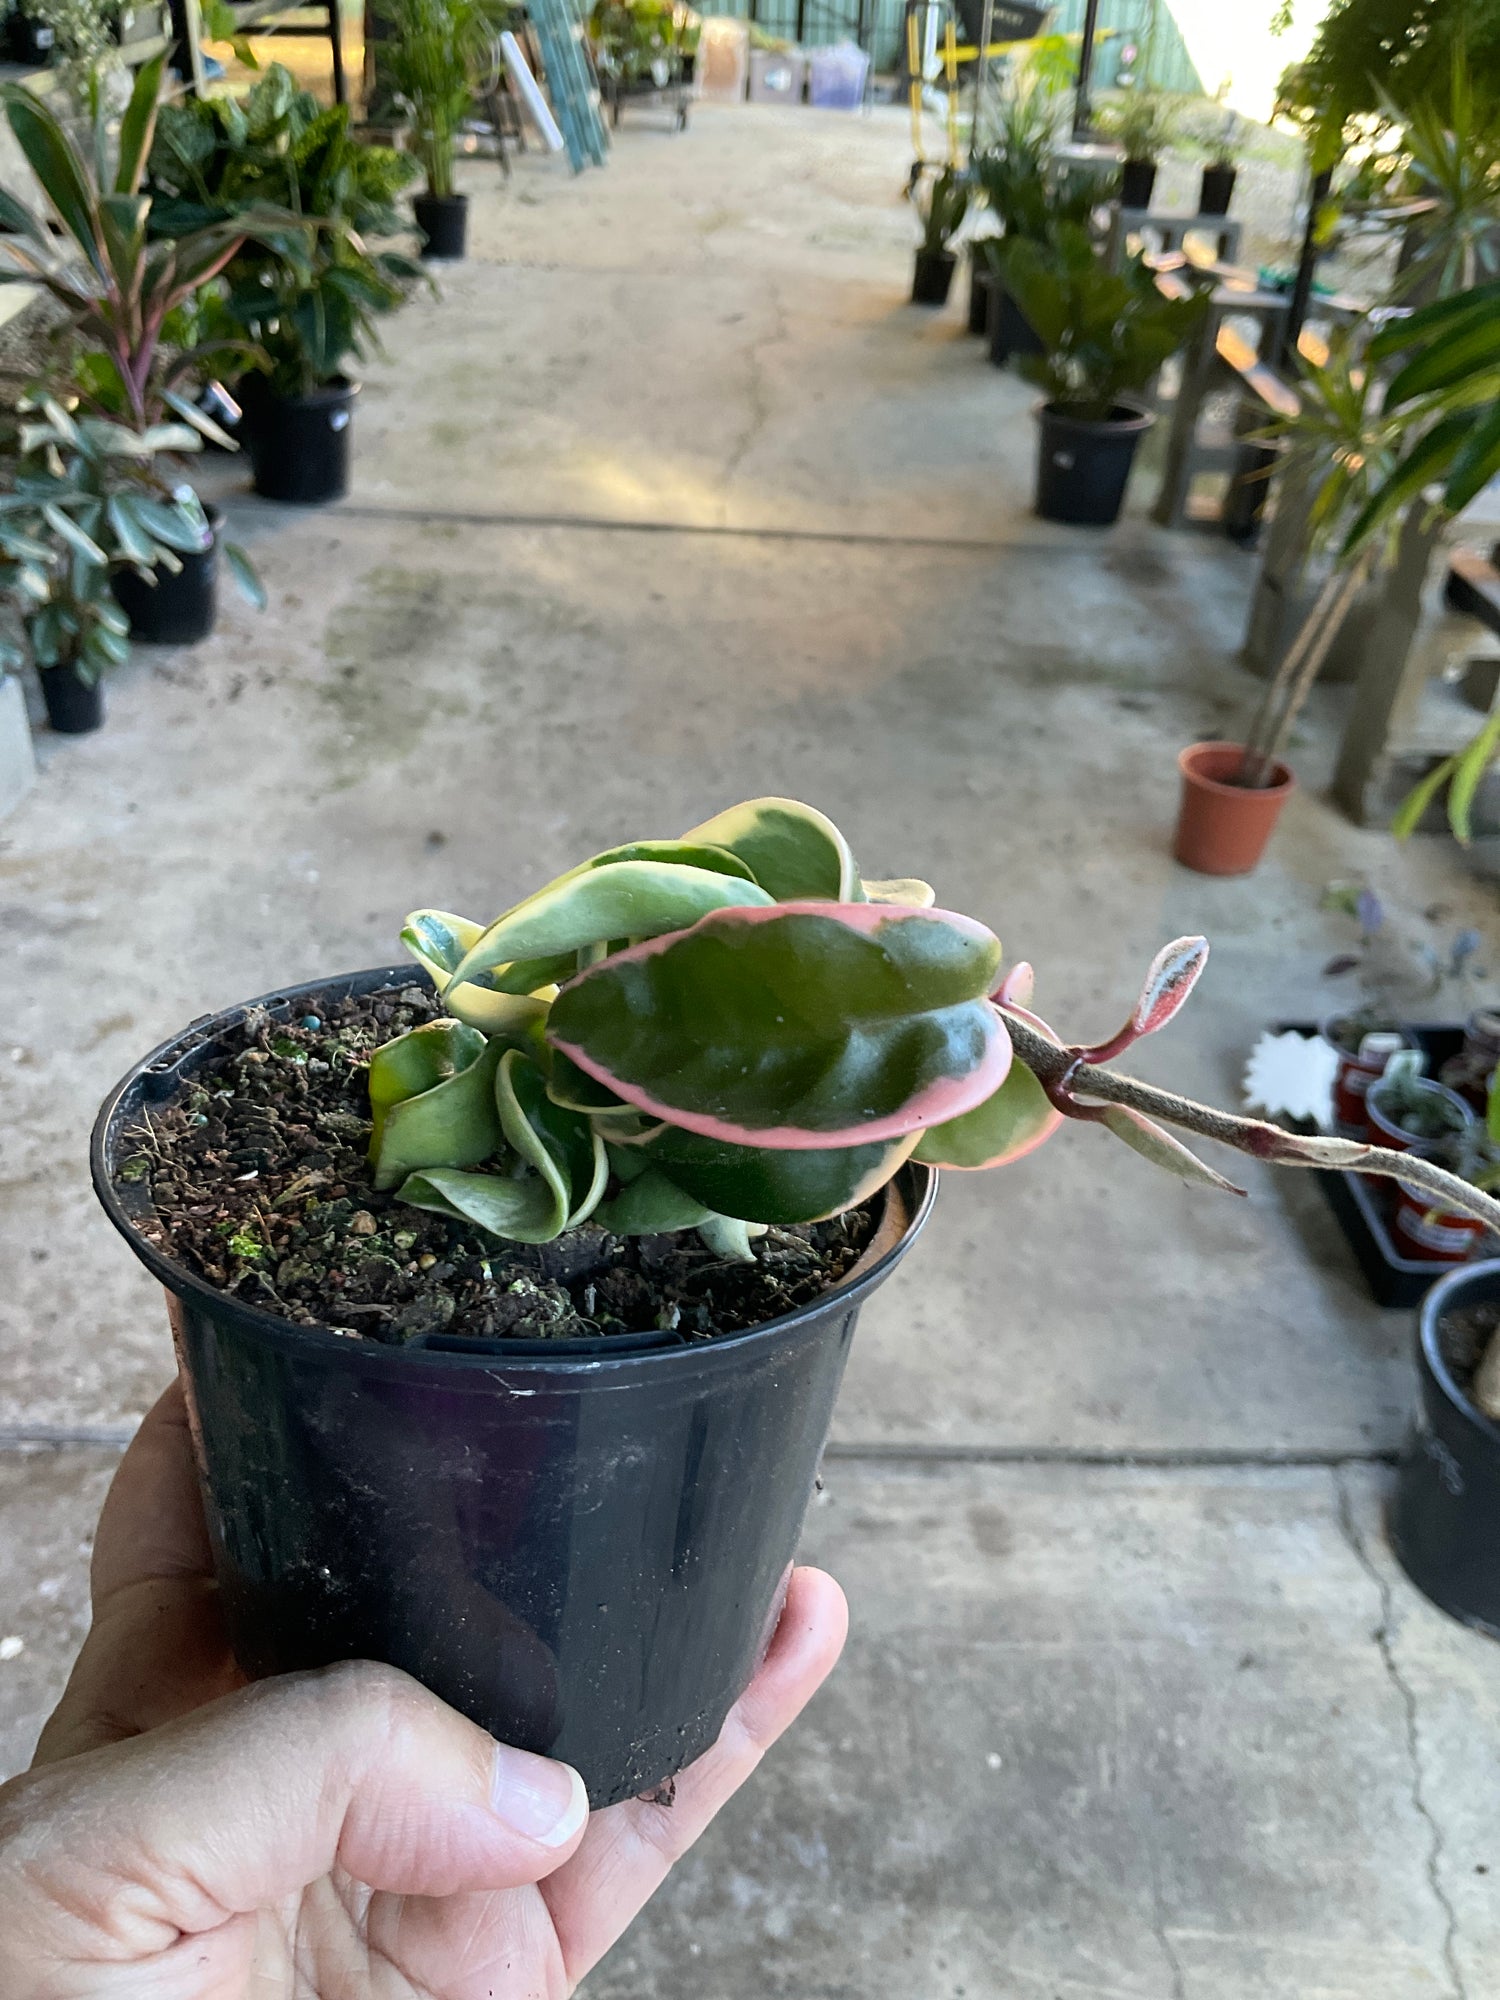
[1393, 1280]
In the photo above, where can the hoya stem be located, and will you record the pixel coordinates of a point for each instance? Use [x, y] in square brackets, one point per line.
[1053, 1067]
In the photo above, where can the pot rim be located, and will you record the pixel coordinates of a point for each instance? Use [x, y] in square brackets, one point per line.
[1331, 1021]
[591, 1355]
[454, 200]
[1284, 784]
[1437, 1302]
[1388, 1125]
[1136, 424]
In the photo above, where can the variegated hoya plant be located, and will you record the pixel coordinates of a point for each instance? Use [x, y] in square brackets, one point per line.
[733, 1029]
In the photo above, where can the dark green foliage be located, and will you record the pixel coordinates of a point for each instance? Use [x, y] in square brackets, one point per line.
[943, 208]
[438, 53]
[1105, 333]
[307, 296]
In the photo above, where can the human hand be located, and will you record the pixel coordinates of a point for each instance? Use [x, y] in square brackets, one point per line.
[340, 1835]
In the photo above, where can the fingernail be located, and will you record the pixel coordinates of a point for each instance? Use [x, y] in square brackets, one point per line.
[537, 1797]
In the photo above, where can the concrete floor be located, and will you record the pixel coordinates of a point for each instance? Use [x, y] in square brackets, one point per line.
[669, 500]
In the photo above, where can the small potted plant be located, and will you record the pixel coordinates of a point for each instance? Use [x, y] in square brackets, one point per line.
[512, 1293]
[1220, 169]
[436, 54]
[942, 206]
[1411, 1113]
[1447, 1496]
[130, 358]
[1423, 1229]
[1141, 122]
[307, 298]
[1104, 335]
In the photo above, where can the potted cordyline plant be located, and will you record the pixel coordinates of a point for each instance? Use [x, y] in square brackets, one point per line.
[306, 293]
[942, 207]
[1104, 335]
[437, 54]
[127, 370]
[512, 1296]
[1366, 448]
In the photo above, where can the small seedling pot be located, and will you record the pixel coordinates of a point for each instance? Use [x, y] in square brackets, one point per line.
[1223, 828]
[1385, 1131]
[1010, 331]
[299, 446]
[1445, 1512]
[932, 277]
[583, 1545]
[444, 222]
[1083, 465]
[1137, 183]
[74, 705]
[980, 286]
[181, 607]
[1356, 1073]
[1217, 190]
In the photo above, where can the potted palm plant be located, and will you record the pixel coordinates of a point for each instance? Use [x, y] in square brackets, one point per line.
[1370, 447]
[130, 362]
[1104, 335]
[942, 206]
[307, 290]
[435, 54]
[512, 1291]
[1141, 122]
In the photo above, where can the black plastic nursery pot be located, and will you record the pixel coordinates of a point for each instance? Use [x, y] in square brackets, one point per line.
[299, 445]
[1217, 190]
[980, 282]
[581, 1544]
[1083, 465]
[1010, 331]
[1137, 183]
[932, 277]
[1445, 1512]
[444, 222]
[74, 705]
[28, 41]
[181, 606]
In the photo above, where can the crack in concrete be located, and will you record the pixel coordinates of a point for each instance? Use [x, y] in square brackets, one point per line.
[1385, 1642]
[759, 397]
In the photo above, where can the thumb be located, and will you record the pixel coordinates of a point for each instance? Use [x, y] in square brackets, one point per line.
[253, 1798]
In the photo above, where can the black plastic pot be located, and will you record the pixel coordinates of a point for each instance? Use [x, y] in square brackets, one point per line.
[1137, 183]
[1217, 190]
[1445, 1512]
[1010, 331]
[583, 1545]
[444, 221]
[932, 277]
[980, 282]
[28, 41]
[299, 445]
[74, 705]
[181, 606]
[1083, 466]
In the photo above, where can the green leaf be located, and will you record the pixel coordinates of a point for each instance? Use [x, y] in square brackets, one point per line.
[756, 1184]
[518, 1210]
[179, 525]
[573, 1087]
[907, 889]
[681, 853]
[1149, 1139]
[729, 1238]
[625, 899]
[1473, 762]
[70, 532]
[55, 164]
[438, 940]
[245, 574]
[1409, 813]
[792, 850]
[432, 1100]
[560, 1144]
[650, 1206]
[138, 125]
[794, 1028]
[1013, 1121]
[132, 540]
[1427, 460]
[1476, 464]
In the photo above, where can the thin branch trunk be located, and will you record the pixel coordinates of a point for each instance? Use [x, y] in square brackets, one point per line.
[1293, 683]
[1312, 666]
[1287, 667]
[1060, 1069]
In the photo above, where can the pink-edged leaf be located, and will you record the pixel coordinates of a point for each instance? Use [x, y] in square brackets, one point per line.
[1144, 1136]
[1017, 987]
[1174, 973]
[795, 1026]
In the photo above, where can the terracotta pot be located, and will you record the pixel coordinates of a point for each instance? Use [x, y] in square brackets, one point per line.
[1222, 828]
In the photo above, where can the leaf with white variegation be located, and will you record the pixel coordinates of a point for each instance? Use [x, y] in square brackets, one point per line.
[559, 1145]
[793, 851]
[1012, 1122]
[517, 1210]
[1174, 973]
[801, 1026]
[432, 1100]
